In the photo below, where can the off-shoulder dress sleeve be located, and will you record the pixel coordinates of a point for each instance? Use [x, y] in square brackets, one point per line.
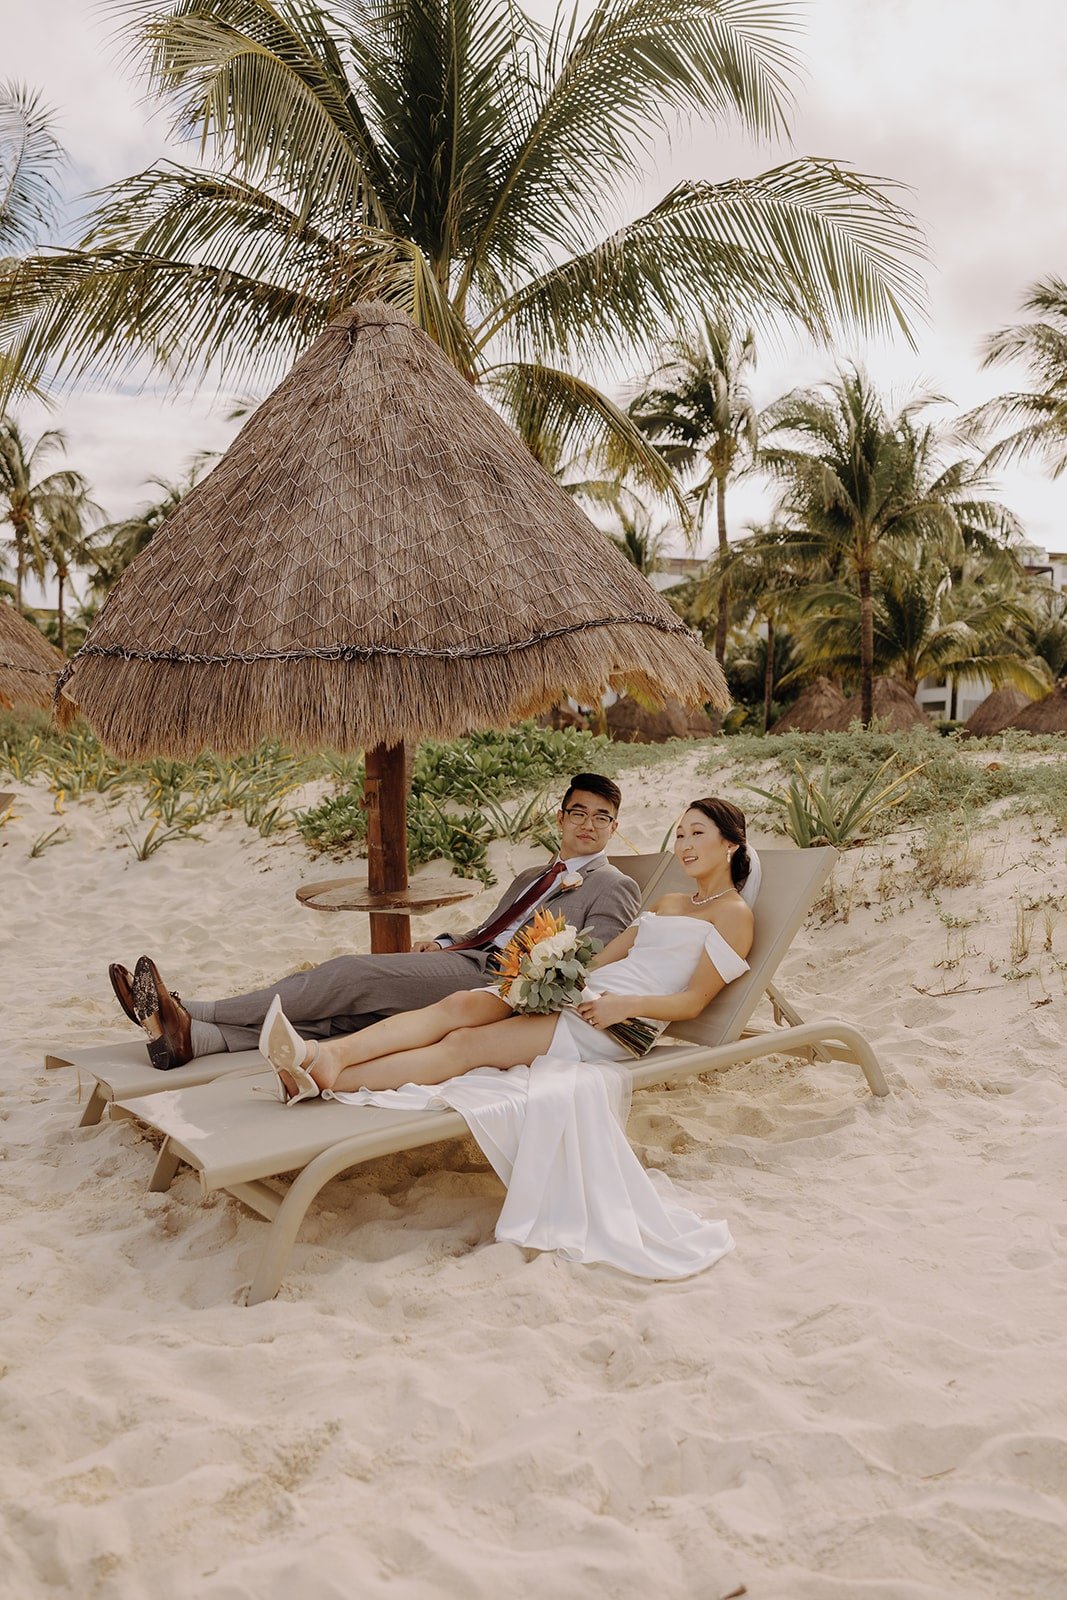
[724, 958]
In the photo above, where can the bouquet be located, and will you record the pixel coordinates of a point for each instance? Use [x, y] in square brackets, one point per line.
[543, 969]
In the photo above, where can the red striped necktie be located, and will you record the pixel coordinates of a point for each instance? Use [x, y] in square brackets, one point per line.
[490, 930]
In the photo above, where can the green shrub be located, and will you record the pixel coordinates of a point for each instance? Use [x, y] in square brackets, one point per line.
[815, 811]
[958, 774]
[478, 773]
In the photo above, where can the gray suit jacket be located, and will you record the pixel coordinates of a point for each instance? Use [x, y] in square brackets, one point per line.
[347, 992]
[605, 901]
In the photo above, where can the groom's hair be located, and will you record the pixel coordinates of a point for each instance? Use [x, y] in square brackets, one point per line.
[593, 783]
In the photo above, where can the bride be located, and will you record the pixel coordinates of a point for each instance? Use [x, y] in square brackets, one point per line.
[552, 1125]
[665, 968]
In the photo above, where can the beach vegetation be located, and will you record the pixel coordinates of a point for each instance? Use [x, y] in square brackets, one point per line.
[816, 810]
[945, 856]
[44, 841]
[955, 776]
[478, 773]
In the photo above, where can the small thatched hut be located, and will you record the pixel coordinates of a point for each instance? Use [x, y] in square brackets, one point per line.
[814, 710]
[893, 706]
[996, 712]
[29, 665]
[1048, 715]
[632, 723]
[377, 558]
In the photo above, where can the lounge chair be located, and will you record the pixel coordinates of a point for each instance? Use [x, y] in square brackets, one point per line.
[121, 1070]
[236, 1138]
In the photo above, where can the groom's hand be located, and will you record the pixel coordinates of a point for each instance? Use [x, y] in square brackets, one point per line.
[424, 947]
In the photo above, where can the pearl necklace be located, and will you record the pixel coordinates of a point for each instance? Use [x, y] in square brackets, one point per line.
[707, 901]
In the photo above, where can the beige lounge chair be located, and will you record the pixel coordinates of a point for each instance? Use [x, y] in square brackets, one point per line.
[121, 1070]
[236, 1138]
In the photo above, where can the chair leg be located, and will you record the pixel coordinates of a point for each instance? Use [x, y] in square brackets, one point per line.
[785, 1011]
[163, 1173]
[94, 1108]
[286, 1225]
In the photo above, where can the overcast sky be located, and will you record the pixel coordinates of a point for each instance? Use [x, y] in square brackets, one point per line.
[960, 99]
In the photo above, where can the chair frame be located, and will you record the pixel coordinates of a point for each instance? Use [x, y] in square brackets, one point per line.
[236, 1143]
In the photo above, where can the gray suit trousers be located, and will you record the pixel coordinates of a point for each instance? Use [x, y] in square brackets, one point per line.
[348, 993]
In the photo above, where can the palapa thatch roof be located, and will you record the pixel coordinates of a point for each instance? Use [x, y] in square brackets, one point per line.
[29, 665]
[377, 557]
[632, 723]
[995, 712]
[1047, 715]
[894, 708]
[813, 710]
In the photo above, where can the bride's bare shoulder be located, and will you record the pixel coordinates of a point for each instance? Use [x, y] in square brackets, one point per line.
[671, 905]
[734, 920]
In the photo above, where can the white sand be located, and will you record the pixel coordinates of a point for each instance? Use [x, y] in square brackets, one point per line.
[866, 1400]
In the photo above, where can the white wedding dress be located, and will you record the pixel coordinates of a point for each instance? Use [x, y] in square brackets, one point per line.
[554, 1131]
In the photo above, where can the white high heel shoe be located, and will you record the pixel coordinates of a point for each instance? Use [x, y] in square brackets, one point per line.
[285, 1050]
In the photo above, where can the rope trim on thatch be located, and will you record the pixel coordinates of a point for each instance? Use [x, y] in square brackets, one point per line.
[369, 652]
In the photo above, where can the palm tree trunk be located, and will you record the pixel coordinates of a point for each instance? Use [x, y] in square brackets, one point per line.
[61, 574]
[768, 675]
[20, 563]
[866, 648]
[723, 619]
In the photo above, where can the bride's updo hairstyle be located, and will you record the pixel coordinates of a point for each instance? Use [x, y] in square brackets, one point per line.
[730, 821]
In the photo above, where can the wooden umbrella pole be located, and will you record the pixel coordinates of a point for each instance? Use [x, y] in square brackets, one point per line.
[385, 791]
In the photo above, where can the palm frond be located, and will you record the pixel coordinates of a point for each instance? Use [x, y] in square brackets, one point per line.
[263, 87]
[31, 160]
[808, 241]
[560, 415]
[605, 86]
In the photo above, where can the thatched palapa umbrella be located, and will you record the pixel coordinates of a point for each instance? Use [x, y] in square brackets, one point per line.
[632, 723]
[815, 709]
[894, 708]
[29, 665]
[996, 712]
[376, 559]
[1047, 715]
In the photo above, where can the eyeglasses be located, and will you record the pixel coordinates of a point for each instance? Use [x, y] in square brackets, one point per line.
[600, 819]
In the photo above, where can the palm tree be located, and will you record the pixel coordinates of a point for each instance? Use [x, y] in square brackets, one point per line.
[925, 626]
[1042, 346]
[765, 583]
[31, 159]
[700, 415]
[1042, 628]
[857, 481]
[640, 542]
[458, 160]
[34, 503]
[66, 541]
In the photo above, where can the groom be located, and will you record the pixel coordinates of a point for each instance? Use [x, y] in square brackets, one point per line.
[349, 992]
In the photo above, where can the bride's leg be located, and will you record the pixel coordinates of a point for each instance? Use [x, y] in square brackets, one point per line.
[408, 1030]
[511, 1043]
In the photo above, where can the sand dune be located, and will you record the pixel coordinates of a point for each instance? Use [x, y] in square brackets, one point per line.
[864, 1401]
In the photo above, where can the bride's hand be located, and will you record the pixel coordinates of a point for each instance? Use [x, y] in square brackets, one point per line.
[604, 1011]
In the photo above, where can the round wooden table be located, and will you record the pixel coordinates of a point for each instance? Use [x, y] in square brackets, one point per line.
[352, 894]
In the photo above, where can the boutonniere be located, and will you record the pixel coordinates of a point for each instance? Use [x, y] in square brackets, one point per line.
[571, 880]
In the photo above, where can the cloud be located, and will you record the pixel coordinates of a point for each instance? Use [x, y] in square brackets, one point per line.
[963, 101]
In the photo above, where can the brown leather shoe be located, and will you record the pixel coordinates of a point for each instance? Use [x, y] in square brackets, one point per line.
[174, 1047]
[122, 984]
